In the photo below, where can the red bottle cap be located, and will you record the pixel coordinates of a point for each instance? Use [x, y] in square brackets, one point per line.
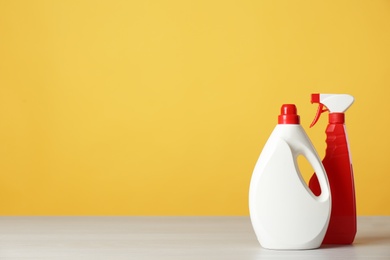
[336, 118]
[288, 115]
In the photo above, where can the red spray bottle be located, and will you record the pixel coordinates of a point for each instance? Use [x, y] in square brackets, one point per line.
[338, 167]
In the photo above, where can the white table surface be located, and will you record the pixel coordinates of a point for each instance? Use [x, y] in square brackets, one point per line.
[168, 238]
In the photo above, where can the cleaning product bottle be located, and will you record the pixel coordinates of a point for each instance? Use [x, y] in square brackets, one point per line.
[337, 163]
[285, 214]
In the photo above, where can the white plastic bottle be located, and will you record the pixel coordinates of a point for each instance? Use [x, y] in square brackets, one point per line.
[285, 214]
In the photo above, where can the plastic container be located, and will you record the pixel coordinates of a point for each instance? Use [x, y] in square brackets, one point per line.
[338, 166]
[285, 214]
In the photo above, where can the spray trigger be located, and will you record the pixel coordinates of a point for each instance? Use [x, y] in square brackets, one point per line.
[319, 112]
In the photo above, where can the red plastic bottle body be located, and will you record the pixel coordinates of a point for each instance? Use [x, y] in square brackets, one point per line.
[338, 167]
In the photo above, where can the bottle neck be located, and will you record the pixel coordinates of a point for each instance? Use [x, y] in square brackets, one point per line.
[336, 118]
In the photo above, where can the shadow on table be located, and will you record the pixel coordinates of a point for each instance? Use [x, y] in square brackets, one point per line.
[372, 240]
[362, 241]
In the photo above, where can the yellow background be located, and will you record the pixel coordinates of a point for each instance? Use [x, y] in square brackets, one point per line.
[163, 107]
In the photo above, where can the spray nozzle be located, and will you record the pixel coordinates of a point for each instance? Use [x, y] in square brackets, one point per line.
[334, 103]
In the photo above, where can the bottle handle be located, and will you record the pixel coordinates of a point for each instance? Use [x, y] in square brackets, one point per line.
[315, 162]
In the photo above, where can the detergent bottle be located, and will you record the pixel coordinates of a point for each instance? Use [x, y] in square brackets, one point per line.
[338, 166]
[285, 214]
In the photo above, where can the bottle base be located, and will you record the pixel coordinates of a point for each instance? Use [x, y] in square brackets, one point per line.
[338, 240]
[281, 247]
